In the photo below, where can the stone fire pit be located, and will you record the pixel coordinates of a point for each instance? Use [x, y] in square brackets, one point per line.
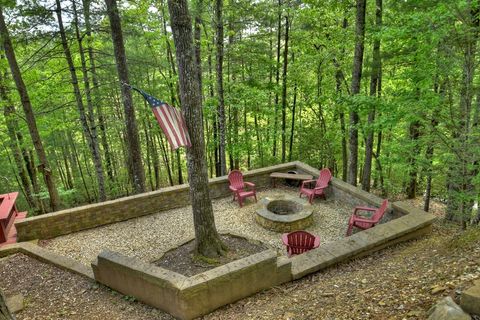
[284, 213]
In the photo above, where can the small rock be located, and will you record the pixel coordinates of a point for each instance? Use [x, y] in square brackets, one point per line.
[447, 309]
[364, 281]
[15, 303]
[415, 313]
[438, 289]
[470, 300]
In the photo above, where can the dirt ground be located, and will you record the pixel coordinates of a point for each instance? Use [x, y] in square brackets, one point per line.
[182, 260]
[401, 282]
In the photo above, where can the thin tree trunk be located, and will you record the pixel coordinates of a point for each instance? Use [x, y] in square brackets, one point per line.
[133, 141]
[198, 43]
[221, 102]
[414, 131]
[96, 94]
[207, 242]
[374, 92]
[356, 79]
[277, 79]
[284, 90]
[179, 166]
[79, 165]
[29, 115]
[165, 159]
[290, 148]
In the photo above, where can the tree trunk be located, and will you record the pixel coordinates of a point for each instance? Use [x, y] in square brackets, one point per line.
[96, 94]
[29, 115]
[284, 90]
[198, 42]
[179, 166]
[90, 134]
[207, 242]
[133, 141]
[221, 102]
[277, 79]
[292, 131]
[374, 92]
[356, 79]
[414, 132]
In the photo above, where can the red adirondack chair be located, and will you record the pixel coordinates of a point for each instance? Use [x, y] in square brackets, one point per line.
[239, 187]
[363, 222]
[298, 242]
[320, 185]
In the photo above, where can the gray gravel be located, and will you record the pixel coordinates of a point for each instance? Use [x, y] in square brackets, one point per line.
[148, 238]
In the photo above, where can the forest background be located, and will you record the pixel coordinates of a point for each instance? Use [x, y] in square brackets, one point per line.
[384, 93]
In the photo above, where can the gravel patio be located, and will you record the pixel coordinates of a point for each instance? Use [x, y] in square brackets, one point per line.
[148, 238]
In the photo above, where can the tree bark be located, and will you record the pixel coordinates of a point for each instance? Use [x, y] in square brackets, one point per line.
[133, 141]
[29, 115]
[95, 91]
[294, 105]
[198, 43]
[221, 102]
[374, 92]
[207, 242]
[277, 79]
[284, 90]
[356, 79]
[414, 131]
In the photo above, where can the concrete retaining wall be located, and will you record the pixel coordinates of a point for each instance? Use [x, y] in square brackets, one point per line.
[188, 298]
[72, 220]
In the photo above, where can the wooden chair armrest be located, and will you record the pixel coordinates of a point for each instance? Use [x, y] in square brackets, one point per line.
[250, 184]
[316, 244]
[304, 182]
[321, 187]
[363, 220]
[285, 239]
[233, 189]
[363, 209]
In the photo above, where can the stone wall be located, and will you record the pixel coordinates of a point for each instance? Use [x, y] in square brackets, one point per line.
[90, 216]
[191, 297]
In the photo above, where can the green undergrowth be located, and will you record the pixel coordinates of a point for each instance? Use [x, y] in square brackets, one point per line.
[465, 239]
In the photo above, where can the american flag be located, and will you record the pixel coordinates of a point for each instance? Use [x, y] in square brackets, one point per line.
[171, 121]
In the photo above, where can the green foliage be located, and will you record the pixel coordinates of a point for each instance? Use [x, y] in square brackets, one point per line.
[423, 46]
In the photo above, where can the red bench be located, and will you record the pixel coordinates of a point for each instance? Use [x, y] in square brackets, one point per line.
[8, 215]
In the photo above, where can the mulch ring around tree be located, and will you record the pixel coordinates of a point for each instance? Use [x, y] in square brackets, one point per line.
[183, 261]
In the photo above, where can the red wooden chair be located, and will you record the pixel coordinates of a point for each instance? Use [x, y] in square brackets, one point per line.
[239, 187]
[298, 242]
[320, 186]
[364, 222]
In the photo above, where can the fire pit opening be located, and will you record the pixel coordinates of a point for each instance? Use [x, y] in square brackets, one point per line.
[284, 213]
[284, 207]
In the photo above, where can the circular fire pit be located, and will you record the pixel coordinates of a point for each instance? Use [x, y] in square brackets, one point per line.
[284, 213]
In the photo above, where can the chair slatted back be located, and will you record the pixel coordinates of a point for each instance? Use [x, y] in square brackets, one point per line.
[324, 178]
[236, 179]
[300, 242]
[378, 215]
